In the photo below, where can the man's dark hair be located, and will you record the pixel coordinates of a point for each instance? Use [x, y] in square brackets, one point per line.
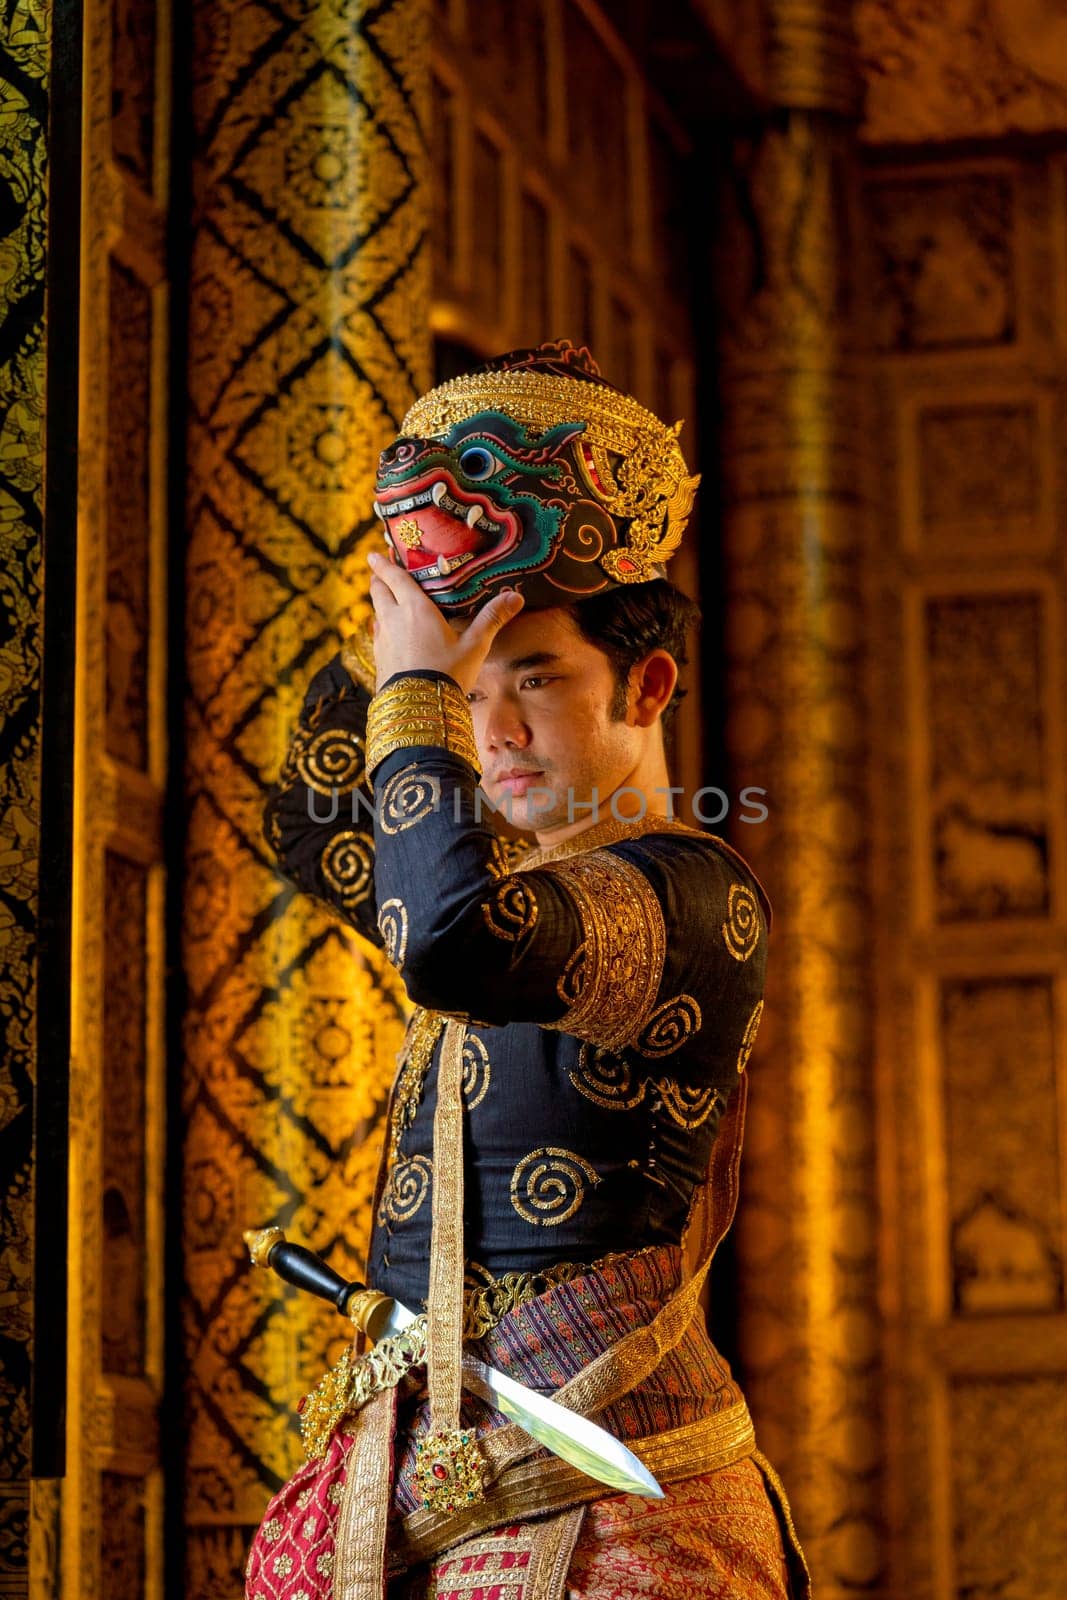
[628, 621]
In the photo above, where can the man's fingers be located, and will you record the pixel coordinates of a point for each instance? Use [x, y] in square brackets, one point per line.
[494, 614]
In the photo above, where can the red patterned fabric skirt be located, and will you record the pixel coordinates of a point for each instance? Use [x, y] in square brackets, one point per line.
[717, 1534]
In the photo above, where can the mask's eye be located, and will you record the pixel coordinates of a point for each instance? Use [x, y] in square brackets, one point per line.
[477, 463]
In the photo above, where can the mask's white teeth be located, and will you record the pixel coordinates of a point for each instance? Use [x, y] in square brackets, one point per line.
[438, 492]
[473, 516]
[378, 511]
[444, 566]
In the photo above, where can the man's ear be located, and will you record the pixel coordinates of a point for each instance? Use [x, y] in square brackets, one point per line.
[652, 682]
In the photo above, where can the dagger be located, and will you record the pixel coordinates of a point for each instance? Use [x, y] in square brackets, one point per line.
[575, 1439]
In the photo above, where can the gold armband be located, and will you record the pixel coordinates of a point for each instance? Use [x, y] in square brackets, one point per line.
[413, 711]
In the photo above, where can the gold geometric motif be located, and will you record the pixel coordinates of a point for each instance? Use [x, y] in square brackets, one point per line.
[475, 1071]
[498, 865]
[741, 929]
[393, 927]
[333, 762]
[406, 1188]
[749, 1038]
[669, 1026]
[512, 911]
[408, 797]
[612, 991]
[348, 867]
[549, 1185]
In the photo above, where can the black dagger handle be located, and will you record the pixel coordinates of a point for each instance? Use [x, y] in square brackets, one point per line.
[301, 1267]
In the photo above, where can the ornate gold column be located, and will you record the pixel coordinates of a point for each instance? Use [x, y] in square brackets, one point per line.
[309, 337]
[794, 460]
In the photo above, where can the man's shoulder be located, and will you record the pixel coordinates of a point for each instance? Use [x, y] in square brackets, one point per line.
[694, 857]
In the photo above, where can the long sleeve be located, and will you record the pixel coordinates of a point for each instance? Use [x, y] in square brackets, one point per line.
[318, 816]
[578, 944]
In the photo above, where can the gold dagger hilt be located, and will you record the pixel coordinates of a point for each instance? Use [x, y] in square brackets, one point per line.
[268, 1247]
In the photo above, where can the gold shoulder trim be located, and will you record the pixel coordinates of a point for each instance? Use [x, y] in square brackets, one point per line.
[357, 656]
[612, 980]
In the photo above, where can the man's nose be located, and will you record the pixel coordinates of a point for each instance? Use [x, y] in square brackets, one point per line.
[504, 726]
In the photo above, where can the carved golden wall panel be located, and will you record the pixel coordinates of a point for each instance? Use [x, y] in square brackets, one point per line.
[308, 339]
[795, 473]
[965, 70]
[107, 1522]
[969, 580]
[560, 198]
[25, 69]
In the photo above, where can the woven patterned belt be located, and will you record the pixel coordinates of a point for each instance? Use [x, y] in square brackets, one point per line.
[545, 1484]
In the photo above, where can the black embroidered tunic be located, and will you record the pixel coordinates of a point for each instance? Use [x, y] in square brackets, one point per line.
[612, 984]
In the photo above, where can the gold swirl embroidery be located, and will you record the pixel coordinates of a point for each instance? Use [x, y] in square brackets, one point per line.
[406, 1188]
[687, 1104]
[393, 927]
[476, 1072]
[611, 985]
[670, 1026]
[741, 929]
[749, 1038]
[606, 1079]
[348, 866]
[512, 910]
[332, 762]
[497, 864]
[549, 1185]
[409, 796]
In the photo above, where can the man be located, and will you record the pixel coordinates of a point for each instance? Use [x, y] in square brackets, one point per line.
[586, 1009]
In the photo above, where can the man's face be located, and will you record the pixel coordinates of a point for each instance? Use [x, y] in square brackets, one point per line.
[545, 706]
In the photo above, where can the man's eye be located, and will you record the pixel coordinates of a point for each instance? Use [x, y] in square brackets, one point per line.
[537, 678]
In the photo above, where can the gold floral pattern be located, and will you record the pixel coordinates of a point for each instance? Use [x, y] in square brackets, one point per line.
[348, 866]
[511, 911]
[393, 927]
[331, 762]
[549, 1185]
[610, 983]
[749, 1037]
[409, 796]
[476, 1071]
[741, 930]
[406, 1188]
[424, 1030]
[671, 1025]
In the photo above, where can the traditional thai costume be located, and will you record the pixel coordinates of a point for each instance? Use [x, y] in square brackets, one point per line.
[570, 1093]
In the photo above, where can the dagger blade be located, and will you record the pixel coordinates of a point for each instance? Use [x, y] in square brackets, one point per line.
[576, 1440]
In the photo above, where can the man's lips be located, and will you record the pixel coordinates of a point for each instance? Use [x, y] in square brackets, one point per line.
[517, 780]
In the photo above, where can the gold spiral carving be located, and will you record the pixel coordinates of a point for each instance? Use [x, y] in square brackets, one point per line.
[741, 929]
[549, 1185]
[476, 1071]
[393, 927]
[406, 1189]
[670, 1026]
[606, 1079]
[512, 910]
[332, 762]
[407, 798]
[348, 867]
[749, 1037]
